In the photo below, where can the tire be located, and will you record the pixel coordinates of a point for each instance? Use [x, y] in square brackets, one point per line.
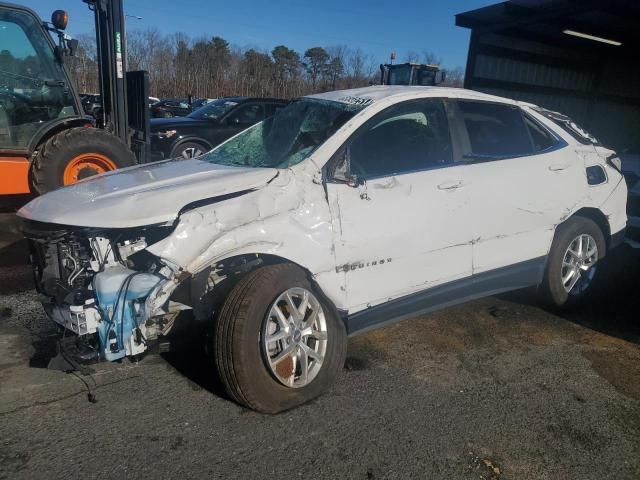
[77, 153]
[243, 362]
[553, 289]
[188, 150]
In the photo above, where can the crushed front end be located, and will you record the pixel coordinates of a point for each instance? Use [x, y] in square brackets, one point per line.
[108, 295]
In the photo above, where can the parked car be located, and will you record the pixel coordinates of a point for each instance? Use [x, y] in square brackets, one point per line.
[153, 100]
[91, 103]
[200, 102]
[343, 212]
[170, 108]
[208, 126]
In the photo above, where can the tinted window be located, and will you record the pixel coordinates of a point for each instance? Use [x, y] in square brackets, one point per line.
[540, 136]
[247, 114]
[495, 130]
[408, 137]
[214, 110]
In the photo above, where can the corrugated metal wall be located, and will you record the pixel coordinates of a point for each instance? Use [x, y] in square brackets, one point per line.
[603, 96]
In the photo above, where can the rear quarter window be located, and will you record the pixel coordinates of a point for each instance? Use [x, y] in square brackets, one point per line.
[541, 138]
[495, 130]
[569, 126]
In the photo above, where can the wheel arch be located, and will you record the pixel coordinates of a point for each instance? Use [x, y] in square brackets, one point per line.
[599, 218]
[50, 129]
[205, 299]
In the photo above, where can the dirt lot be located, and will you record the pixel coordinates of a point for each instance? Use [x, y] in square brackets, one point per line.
[498, 388]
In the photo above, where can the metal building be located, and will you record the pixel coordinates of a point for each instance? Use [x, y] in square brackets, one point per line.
[579, 57]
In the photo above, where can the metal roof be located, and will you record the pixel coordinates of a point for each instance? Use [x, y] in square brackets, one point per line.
[545, 20]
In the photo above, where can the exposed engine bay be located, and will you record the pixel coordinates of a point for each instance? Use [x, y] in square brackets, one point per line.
[103, 287]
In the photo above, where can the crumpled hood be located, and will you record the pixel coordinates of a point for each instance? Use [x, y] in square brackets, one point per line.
[142, 195]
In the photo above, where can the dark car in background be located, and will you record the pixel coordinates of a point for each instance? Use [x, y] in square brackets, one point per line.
[208, 126]
[172, 107]
[91, 103]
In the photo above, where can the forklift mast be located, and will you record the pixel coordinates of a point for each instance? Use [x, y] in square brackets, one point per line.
[124, 94]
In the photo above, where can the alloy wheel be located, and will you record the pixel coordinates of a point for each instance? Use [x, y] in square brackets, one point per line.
[579, 264]
[191, 152]
[294, 337]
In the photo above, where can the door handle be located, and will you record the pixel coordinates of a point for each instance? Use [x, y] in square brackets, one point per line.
[558, 167]
[450, 185]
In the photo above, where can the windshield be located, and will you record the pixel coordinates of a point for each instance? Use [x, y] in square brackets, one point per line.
[399, 75]
[213, 110]
[286, 138]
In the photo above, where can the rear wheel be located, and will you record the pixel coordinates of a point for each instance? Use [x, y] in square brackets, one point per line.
[572, 265]
[76, 154]
[277, 343]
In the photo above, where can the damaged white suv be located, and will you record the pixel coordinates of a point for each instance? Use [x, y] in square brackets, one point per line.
[345, 211]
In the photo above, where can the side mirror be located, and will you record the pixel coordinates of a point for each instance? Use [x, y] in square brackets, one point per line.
[341, 169]
[72, 45]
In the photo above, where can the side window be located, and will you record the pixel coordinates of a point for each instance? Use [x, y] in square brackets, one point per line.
[247, 114]
[540, 136]
[495, 130]
[404, 138]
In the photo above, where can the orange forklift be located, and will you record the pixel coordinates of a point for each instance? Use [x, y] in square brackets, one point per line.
[46, 141]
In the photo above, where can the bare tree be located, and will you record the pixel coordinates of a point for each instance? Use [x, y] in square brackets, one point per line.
[210, 67]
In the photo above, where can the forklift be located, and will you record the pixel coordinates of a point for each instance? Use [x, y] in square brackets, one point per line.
[410, 74]
[46, 141]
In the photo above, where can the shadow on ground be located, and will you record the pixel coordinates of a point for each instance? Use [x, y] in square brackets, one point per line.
[614, 306]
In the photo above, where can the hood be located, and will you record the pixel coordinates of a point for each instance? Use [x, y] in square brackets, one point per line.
[142, 195]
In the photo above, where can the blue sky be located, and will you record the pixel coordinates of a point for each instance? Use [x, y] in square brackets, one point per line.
[376, 26]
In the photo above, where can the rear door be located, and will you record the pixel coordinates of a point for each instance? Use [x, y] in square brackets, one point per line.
[401, 223]
[523, 180]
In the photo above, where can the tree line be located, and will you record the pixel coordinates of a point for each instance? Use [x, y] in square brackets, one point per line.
[179, 66]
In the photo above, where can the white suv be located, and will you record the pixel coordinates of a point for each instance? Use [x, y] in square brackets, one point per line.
[345, 211]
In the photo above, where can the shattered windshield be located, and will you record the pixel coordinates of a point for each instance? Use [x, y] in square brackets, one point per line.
[286, 138]
[213, 110]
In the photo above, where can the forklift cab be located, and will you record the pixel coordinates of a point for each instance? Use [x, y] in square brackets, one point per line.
[411, 74]
[34, 88]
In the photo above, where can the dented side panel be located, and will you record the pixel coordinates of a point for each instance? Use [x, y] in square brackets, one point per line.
[288, 218]
[401, 234]
[518, 202]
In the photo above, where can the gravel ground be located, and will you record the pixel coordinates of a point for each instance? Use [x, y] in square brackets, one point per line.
[495, 389]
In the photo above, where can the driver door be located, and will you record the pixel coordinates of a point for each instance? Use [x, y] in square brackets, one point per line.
[398, 205]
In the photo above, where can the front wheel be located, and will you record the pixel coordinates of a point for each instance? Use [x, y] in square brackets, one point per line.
[278, 343]
[573, 263]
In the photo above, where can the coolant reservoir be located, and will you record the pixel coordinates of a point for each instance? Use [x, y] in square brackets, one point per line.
[116, 289]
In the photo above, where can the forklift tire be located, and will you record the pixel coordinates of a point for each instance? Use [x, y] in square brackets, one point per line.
[75, 154]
